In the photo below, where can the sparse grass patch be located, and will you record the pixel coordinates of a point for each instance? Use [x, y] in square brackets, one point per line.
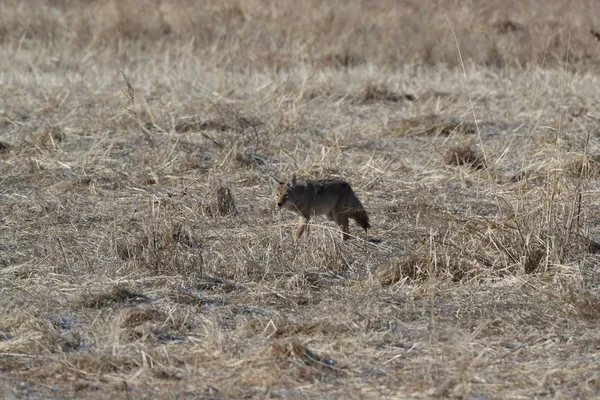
[432, 125]
[110, 296]
[377, 93]
[581, 302]
[585, 166]
[4, 147]
[465, 154]
[221, 203]
[420, 267]
[309, 365]
[167, 247]
[98, 367]
[143, 323]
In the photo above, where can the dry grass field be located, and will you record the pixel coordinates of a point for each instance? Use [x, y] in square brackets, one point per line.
[141, 251]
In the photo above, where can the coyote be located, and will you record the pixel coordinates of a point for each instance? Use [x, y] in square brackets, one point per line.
[332, 198]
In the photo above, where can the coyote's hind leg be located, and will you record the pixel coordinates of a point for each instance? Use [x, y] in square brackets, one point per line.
[344, 223]
[345, 228]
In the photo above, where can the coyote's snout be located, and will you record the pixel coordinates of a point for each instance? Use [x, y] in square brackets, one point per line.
[332, 198]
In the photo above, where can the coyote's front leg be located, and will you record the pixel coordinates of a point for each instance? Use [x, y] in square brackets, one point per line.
[303, 224]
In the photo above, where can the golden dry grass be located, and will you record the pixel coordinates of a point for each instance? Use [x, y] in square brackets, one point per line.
[141, 254]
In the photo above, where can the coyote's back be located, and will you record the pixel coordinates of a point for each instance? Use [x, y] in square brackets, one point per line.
[332, 198]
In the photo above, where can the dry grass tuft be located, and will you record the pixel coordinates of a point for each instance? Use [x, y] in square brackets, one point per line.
[376, 93]
[586, 304]
[4, 147]
[413, 267]
[432, 125]
[21, 344]
[167, 247]
[221, 204]
[585, 166]
[85, 366]
[135, 316]
[294, 351]
[581, 302]
[199, 126]
[465, 154]
[420, 267]
[136, 323]
[287, 329]
[508, 26]
[109, 297]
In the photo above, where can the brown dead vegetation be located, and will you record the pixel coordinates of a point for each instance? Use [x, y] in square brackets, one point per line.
[141, 254]
[378, 93]
[432, 125]
[109, 297]
[235, 33]
[465, 154]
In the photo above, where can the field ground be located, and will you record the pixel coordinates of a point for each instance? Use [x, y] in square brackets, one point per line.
[142, 254]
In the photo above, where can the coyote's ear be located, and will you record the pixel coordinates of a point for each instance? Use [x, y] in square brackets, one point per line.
[292, 181]
[275, 180]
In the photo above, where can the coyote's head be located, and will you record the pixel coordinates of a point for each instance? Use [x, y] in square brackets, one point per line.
[283, 191]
